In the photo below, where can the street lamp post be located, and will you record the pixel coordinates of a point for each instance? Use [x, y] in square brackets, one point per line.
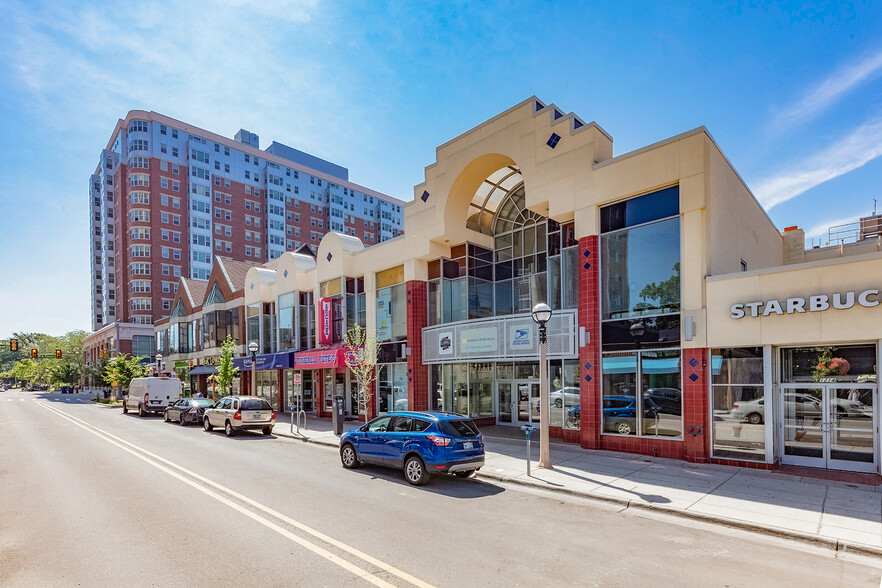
[253, 347]
[541, 315]
[159, 364]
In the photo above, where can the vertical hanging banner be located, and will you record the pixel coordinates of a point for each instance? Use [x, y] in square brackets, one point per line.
[325, 320]
[337, 310]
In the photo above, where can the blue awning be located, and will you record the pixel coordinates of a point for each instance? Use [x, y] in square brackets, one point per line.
[665, 365]
[267, 361]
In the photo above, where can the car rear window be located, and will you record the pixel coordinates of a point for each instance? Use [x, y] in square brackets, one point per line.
[254, 404]
[459, 428]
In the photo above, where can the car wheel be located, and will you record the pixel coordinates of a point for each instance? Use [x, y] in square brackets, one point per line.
[182, 421]
[464, 474]
[415, 471]
[141, 411]
[267, 430]
[229, 430]
[348, 457]
[755, 418]
[125, 407]
[206, 425]
[623, 428]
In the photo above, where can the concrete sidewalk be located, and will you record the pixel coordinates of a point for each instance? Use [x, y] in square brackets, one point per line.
[840, 515]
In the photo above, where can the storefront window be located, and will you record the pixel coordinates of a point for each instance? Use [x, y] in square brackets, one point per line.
[480, 389]
[564, 394]
[268, 386]
[829, 363]
[392, 387]
[252, 323]
[356, 312]
[738, 403]
[286, 321]
[392, 313]
[642, 397]
[307, 320]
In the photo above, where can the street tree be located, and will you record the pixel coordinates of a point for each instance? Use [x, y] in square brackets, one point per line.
[361, 357]
[226, 371]
[122, 369]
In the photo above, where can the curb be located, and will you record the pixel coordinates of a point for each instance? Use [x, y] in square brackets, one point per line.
[834, 544]
[817, 540]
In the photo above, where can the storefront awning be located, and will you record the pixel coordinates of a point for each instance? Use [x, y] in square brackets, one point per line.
[328, 357]
[203, 370]
[267, 361]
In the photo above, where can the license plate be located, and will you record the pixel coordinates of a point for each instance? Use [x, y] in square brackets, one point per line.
[257, 416]
[467, 445]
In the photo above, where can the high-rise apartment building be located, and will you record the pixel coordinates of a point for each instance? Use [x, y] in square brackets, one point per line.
[167, 196]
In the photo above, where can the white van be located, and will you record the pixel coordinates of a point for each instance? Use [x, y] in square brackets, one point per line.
[152, 394]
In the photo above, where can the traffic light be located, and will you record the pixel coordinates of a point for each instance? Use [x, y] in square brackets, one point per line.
[58, 354]
[34, 354]
[13, 344]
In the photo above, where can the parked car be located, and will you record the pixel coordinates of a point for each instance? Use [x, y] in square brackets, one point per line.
[186, 410]
[240, 413]
[420, 443]
[568, 395]
[151, 395]
[620, 413]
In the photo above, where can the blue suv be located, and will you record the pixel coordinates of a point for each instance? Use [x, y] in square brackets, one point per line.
[420, 443]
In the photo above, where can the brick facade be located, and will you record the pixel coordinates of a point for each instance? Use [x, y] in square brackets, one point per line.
[417, 320]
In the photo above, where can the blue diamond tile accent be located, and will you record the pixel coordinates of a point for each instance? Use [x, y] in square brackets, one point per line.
[425, 196]
[285, 274]
[252, 286]
[693, 377]
[693, 362]
[330, 257]
[408, 300]
[409, 379]
[587, 378]
[587, 365]
[587, 253]
[553, 140]
[587, 265]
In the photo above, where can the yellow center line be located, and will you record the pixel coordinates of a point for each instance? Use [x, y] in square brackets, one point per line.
[140, 453]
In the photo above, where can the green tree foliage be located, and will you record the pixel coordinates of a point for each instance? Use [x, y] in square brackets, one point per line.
[226, 371]
[65, 370]
[122, 369]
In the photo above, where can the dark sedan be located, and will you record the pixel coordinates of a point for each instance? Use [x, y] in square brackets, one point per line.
[186, 410]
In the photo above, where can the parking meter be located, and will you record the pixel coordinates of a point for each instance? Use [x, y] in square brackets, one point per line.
[528, 430]
[337, 415]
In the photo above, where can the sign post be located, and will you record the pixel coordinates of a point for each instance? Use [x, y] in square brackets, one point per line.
[528, 429]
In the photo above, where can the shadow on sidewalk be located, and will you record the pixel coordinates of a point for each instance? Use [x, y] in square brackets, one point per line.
[443, 484]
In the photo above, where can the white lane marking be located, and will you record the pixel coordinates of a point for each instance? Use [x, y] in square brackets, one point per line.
[122, 443]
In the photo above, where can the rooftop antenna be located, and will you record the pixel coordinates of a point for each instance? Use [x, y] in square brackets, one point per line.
[874, 207]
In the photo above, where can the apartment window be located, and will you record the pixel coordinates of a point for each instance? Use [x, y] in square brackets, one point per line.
[176, 169]
[166, 304]
[165, 252]
[174, 151]
[139, 180]
[248, 250]
[228, 215]
[166, 287]
[177, 271]
[176, 186]
[164, 217]
[247, 205]
[163, 165]
[176, 220]
[163, 130]
[164, 235]
[228, 246]
[138, 216]
[163, 148]
[176, 237]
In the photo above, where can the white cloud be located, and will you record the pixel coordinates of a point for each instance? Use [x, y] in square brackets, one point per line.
[822, 96]
[848, 154]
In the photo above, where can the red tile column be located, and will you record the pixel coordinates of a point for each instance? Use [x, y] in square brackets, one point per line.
[417, 319]
[695, 404]
[589, 355]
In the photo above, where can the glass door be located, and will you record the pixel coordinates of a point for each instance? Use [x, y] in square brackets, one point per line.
[505, 403]
[527, 402]
[829, 426]
[850, 429]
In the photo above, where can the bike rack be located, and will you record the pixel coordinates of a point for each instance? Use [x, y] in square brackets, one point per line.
[300, 415]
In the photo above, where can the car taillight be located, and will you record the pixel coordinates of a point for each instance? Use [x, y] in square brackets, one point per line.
[438, 440]
[238, 415]
[735, 405]
[274, 415]
[146, 396]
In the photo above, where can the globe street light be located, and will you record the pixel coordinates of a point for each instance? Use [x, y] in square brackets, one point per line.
[253, 347]
[541, 315]
[159, 364]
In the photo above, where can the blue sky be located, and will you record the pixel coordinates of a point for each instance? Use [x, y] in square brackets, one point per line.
[791, 94]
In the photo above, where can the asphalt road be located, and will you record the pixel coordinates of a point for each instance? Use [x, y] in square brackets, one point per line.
[93, 497]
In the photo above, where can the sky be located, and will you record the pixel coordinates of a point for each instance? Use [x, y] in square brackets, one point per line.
[790, 92]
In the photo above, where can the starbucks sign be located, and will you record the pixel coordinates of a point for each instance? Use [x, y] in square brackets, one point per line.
[800, 305]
